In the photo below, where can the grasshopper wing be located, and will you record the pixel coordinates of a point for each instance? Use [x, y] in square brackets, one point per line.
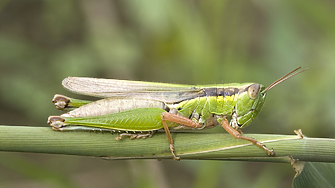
[99, 87]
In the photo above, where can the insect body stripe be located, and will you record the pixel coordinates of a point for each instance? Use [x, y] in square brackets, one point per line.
[214, 92]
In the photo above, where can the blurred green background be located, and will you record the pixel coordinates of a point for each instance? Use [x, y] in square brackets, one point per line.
[176, 41]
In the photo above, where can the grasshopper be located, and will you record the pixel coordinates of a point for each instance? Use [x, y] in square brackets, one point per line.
[138, 109]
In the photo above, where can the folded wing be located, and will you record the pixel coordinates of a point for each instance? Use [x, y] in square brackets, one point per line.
[111, 88]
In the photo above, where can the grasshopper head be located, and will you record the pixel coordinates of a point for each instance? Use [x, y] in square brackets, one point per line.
[251, 100]
[249, 104]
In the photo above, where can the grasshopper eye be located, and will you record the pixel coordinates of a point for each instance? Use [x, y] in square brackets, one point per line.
[253, 91]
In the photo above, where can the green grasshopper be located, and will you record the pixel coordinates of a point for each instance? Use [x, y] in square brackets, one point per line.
[138, 109]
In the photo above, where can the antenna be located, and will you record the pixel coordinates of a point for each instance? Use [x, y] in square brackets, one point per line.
[283, 78]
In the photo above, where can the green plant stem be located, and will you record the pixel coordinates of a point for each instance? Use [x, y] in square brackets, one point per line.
[195, 145]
